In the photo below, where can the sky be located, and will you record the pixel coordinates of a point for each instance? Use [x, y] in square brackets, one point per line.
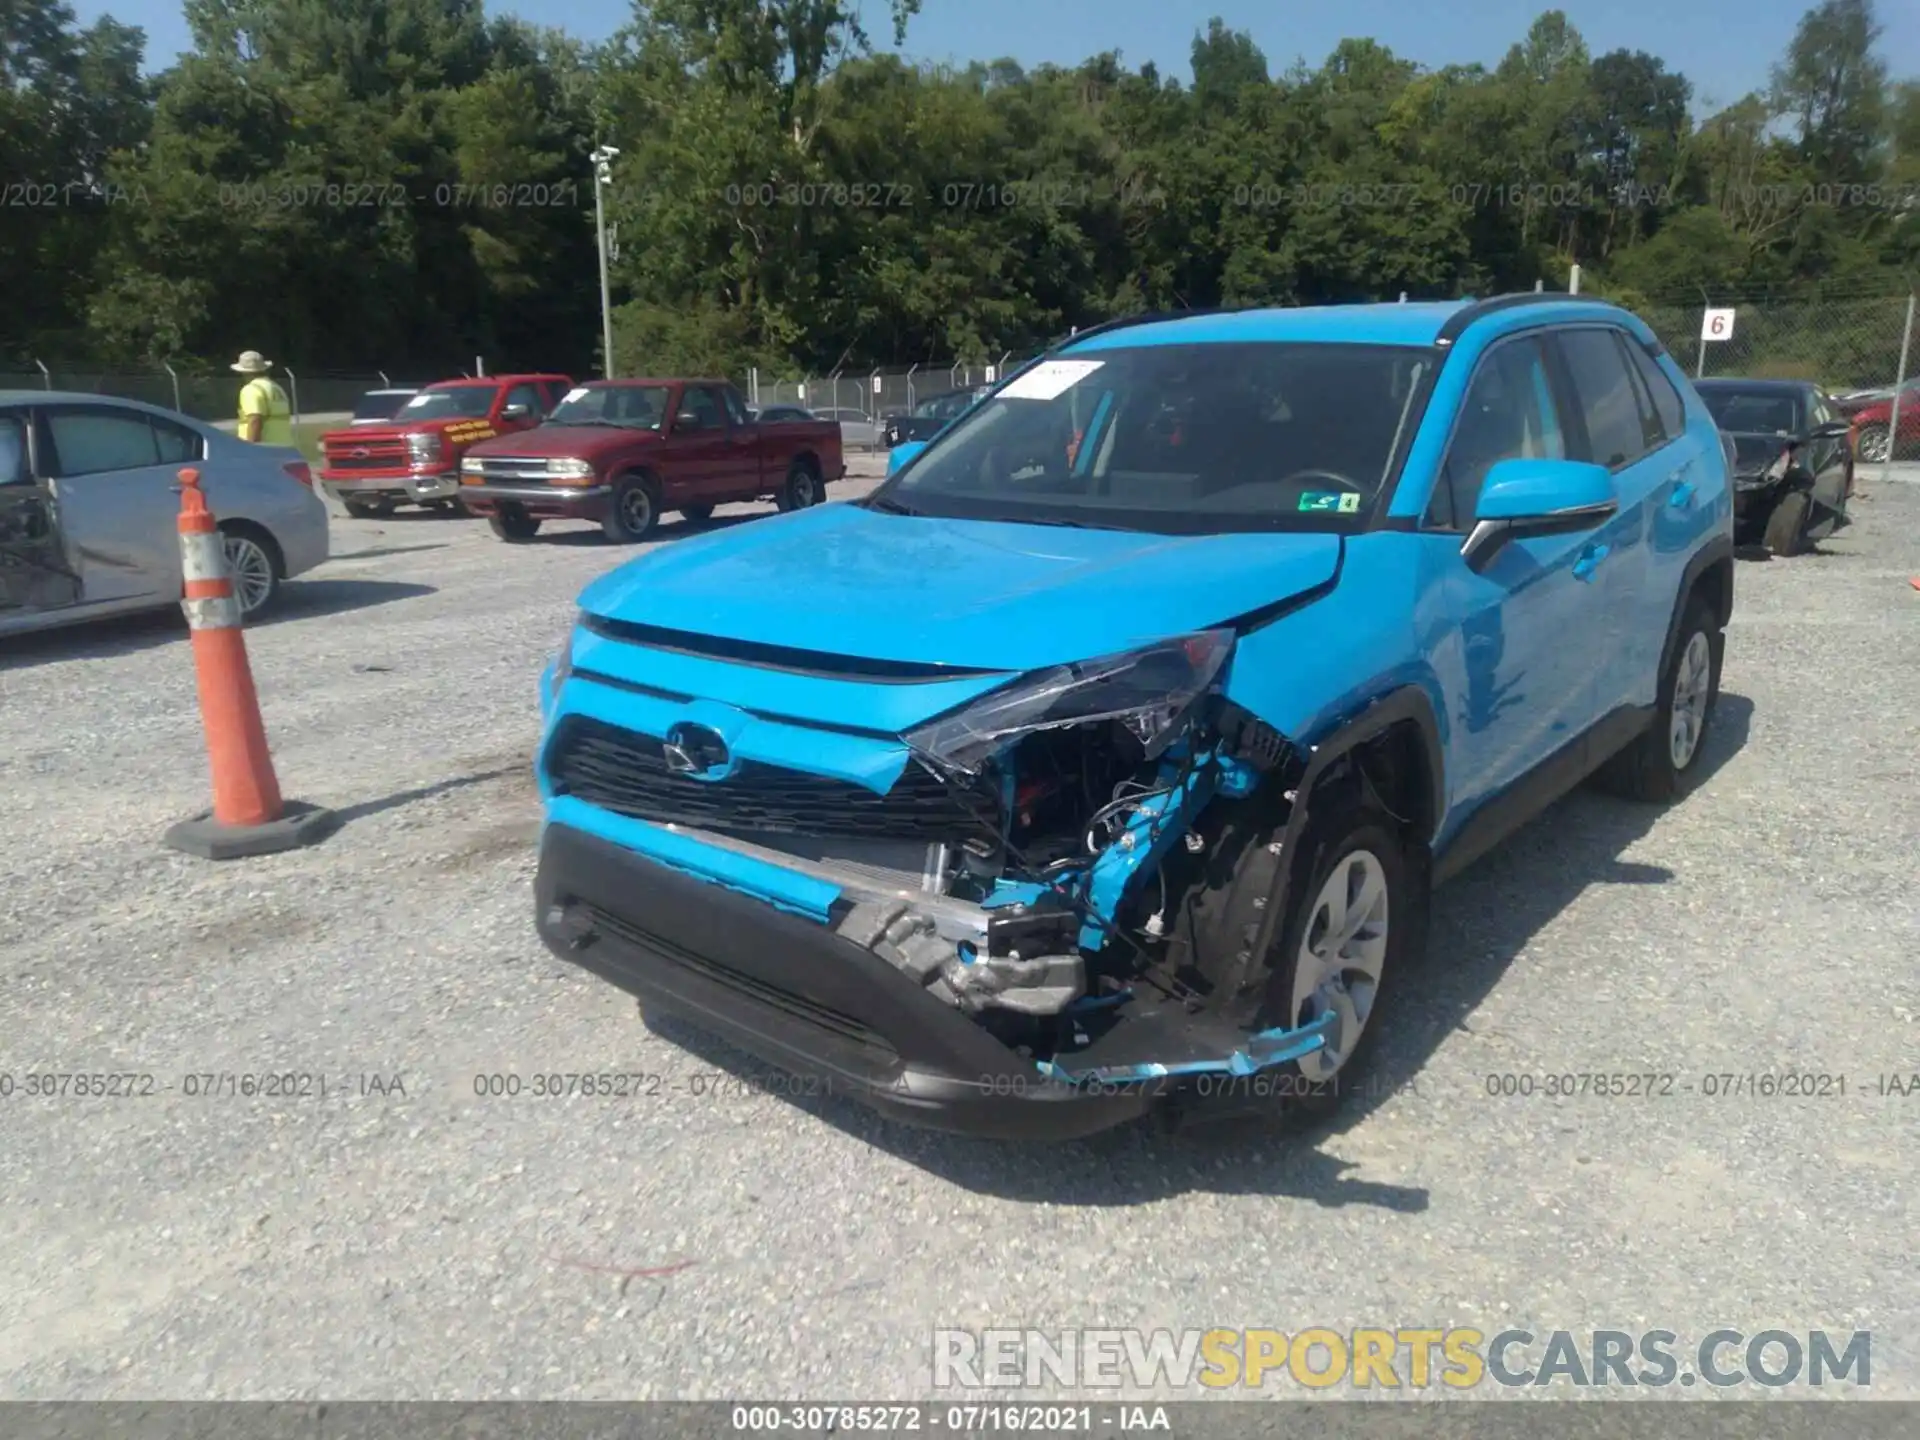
[1725, 47]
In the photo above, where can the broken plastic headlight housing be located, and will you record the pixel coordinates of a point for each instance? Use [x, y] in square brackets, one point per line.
[1149, 691]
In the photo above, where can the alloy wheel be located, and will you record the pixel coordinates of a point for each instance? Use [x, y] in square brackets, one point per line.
[1342, 953]
[1690, 683]
[252, 571]
[636, 509]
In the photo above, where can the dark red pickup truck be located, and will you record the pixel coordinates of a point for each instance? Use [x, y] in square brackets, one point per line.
[622, 452]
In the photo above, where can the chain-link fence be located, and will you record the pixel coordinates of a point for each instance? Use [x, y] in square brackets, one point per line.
[870, 395]
[206, 395]
[1840, 345]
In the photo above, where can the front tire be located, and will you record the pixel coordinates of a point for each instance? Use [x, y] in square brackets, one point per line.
[514, 526]
[367, 509]
[1874, 445]
[1786, 532]
[632, 511]
[1356, 919]
[1656, 767]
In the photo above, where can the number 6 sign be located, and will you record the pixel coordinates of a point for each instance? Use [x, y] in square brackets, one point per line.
[1717, 325]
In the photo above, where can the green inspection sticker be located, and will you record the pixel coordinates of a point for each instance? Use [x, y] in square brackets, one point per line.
[1339, 502]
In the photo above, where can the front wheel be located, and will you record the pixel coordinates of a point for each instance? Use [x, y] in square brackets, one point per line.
[1874, 446]
[1356, 918]
[367, 509]
[513, 525]
[1657, 766]
[1786, 532]
[632, 512]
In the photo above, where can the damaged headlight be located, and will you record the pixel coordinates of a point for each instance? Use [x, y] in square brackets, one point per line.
[1149, 691]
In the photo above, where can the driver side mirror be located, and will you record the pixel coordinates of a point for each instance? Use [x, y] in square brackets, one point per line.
[515, 412]
[1524, 499]
[686, 420]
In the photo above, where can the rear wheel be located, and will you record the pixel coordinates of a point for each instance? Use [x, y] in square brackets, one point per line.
[1786, 532]
[254, 566]
[633, 510]
[803, 487]
[1656, 766]
[1873, 445]
[513, 525]
[698, 514]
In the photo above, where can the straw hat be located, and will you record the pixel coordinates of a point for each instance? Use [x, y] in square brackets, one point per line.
[251, 362]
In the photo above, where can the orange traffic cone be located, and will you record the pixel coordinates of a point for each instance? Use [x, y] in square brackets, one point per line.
[248, 815]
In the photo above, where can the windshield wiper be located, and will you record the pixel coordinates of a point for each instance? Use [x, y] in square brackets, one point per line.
[1064, 523]
[889, 505]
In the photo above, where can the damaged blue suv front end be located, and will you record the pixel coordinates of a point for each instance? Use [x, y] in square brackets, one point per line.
[967, 799]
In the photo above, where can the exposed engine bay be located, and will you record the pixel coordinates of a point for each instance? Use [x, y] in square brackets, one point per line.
[1118, 899]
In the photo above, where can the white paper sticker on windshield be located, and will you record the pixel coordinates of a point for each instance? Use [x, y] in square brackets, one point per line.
[579, 392]
[1050, 378]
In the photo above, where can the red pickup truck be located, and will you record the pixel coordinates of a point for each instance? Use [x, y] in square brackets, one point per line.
[622, 452]
[415, 457]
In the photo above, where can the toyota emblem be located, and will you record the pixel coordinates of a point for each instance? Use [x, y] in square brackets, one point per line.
[697, 751]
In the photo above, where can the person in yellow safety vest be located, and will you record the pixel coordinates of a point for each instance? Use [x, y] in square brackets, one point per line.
[265, 416]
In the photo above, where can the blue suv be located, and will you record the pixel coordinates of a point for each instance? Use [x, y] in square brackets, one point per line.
[1106, 754]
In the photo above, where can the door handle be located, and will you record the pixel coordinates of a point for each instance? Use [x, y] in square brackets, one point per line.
[1589, 561]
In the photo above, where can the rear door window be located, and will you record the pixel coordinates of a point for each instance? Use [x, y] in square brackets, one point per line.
[176, 443]
[90, 441]
[1610, 405]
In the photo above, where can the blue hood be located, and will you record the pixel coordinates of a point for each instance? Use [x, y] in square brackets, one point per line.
[980, 594]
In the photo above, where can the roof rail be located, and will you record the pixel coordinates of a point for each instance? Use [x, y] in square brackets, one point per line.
[1475, 310]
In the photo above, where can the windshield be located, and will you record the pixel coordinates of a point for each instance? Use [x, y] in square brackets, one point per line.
[630, 407]
[462, 401]
[1752, 412]
[378, 405]
[1179, 439]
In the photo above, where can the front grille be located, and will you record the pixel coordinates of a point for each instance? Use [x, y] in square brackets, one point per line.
[837, 1023]
[627, 773]
[519, 472]
[384, 457]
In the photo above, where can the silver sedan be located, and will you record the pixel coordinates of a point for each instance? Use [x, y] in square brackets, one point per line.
[89, 508]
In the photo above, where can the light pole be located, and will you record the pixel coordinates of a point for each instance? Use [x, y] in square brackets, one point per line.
[602, 159]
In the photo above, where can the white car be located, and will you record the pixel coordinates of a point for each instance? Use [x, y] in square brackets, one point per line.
[89, 508]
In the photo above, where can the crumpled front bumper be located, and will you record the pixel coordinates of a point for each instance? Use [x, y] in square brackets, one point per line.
[800, 996]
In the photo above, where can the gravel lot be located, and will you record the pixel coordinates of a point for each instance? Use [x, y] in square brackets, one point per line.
[439, 1245]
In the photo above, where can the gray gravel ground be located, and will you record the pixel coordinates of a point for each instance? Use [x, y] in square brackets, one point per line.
[439, 1245]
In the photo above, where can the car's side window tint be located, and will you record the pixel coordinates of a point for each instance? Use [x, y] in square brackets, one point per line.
[529, 396]
[736, 412]
[177, 444]
[1666, 400]
[95, 442]
[700, 401]
[1653, 433]
[1508, 414]
[1616, 431]
[14, 466]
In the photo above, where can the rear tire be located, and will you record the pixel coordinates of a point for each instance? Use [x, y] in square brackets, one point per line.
[698, 514]
[632, 511]
[1786, 532]
[1657, 765]
[1873, 445]
[802, 488]
[254, 563]
[516, 527]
